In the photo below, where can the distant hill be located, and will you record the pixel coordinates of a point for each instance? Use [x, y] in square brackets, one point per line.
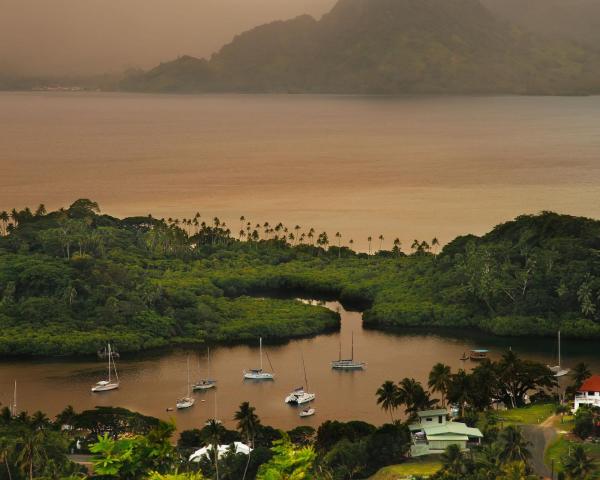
[577, 20]
[387, 47]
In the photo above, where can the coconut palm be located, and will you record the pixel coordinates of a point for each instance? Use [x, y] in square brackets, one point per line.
[439, 380]
[514, 447]
[397, 246]
[66, 417]
[453, 461]
[515, 471]
[435, 243]
[578, 465]
[248, 421]
[416, 246]
[381, 241]
[351, 243]
[214, 430]
[580, 373]
[412, 395]
[7, 446]
[338, 235]
[369, 239]
[387, 397]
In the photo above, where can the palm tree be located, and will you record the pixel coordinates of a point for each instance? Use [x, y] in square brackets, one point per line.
[435, 243]
[397, 246]
[4, 217]
[387, 397]
[351, 242]
[580, 373]
[380, 241]
[248, 421]
[6, 450]
[369, 239]
[412, 395]
[66, 417]
[515, 471]
[514, 446]
[439, 380]
[338, 235]
[30, 445]
[578, 465]
[453, 461]
[214, 434]
[416, 246]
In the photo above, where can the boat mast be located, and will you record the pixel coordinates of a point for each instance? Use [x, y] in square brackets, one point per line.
[14, 409]
[304, 368]
[208, 362]
[109, 355]
[340, 353]
[559, 348]
[188, 376]
[352, 352]
[260, 347]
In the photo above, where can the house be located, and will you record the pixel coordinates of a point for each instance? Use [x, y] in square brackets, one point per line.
[433, 433]
[588, 393]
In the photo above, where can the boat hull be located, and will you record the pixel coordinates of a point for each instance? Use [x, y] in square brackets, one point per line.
[307, 413]
[204, 386]
[258, 376]
[347, 365]
[187, 403]
[105, 388]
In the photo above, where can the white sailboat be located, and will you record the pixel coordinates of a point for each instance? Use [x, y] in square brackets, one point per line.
[557, 369]
[307, 412]
[347, 363]
[300, 396]
[187, 401]
[258, 373]
[205, 383]
[109, 384]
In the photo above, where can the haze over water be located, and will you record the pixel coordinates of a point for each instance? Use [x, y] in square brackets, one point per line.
[412, 167]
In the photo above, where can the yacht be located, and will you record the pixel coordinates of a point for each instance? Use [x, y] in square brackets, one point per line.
[205, 383]
[187, 401]
[299, 395]
[557, 370]
[347, 363]
[259, 373]
[109, 384]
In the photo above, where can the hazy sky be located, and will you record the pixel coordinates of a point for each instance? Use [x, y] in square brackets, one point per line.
[82, 36]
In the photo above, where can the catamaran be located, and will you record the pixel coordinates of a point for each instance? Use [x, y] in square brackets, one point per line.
[299, 395]
[347, 363]
[188, 400]
[259, 373]
[557, 369]
[205, 383]
[110, 384]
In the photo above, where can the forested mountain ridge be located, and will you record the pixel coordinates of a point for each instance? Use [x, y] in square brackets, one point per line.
[73, 279]
[386, 47]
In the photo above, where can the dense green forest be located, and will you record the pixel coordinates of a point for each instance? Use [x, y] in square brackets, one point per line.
[394, 47]
[72, 279]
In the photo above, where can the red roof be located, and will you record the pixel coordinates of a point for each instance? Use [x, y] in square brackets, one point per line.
[592, 384]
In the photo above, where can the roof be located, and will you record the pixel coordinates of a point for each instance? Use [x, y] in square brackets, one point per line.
[451, 428]
[452, 438]
[433, 413]
[592, 384]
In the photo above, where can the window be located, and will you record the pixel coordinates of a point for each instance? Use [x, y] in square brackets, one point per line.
[429, 419]
[440, 419]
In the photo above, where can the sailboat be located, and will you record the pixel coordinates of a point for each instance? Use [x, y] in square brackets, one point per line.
[205, 383]
[187, 401]
[299, 395]
[258, 373]
[110, 384]
[347, 363]
[557, 369]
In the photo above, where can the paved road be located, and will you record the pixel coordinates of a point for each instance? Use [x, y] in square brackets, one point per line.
[540, 437]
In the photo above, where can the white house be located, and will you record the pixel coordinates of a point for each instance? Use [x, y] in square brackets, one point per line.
[588, 393]
[433, 433]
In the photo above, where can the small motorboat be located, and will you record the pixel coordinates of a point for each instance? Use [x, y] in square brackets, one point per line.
[464, 356]
[478, 355]
[307, 412]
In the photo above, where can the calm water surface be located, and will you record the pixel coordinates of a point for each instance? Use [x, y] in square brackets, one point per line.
[151, 383]
[406, 166]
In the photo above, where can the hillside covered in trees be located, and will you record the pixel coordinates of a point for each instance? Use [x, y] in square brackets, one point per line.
[391, 47]
[72, 279]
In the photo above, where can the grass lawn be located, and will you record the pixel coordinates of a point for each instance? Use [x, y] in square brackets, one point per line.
[530, 415]
[566, 425]
[560, 448]
[423, 467]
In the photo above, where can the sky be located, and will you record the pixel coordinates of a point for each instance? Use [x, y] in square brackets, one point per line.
[96, 36]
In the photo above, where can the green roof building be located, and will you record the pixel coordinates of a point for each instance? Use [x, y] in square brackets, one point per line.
[433, 433]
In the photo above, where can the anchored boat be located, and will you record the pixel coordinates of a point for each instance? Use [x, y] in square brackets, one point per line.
[205, 383]
[187, 401]
[109, 384]
[299, 395]
[347, 363]
[259, 373]
[557, 369]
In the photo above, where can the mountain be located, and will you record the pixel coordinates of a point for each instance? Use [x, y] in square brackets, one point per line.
[576, 20]
[386, 47]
